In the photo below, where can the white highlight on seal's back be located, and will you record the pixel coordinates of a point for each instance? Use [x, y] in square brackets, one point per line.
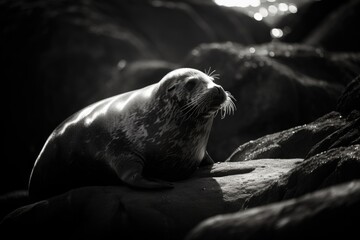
[145, 92]
[92, 116]
[83, 113]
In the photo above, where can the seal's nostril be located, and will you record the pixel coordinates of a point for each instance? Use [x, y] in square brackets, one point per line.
[218, 90]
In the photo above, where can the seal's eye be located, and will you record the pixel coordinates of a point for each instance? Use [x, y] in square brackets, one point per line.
[190, 84]
[171, 88]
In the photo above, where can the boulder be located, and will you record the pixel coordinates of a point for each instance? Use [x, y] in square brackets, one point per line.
[325, 169]
[330, 213]
[336, 32]
[309, 15]
[121, 212]
[329, 131]
[327, 24]
[294, 142]
[276, 86]
[350, 98]
[347, 135]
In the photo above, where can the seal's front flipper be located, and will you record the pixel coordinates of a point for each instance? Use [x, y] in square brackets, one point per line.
[129, 169]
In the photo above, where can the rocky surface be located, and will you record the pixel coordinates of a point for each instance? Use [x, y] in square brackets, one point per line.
[326, 214]
[347, 135]
[329, 131]
[122, 212]
[350, 98]
[320, 171]
[318, 198]
[294, 142]
[277, 86]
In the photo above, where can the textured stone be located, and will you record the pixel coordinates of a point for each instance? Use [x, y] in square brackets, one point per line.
[326, 214]
[347, 135]
[350, 98]
[120, 212]
[294, 142]
[277, 86]
[325, 169]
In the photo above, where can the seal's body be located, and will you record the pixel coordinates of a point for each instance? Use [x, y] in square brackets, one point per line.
[139, 138]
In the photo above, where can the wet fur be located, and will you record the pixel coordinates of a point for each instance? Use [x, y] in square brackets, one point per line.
[163, 126]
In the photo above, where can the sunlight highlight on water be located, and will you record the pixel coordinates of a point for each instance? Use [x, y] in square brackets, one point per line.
[237, 3]
[268, 11]
[263, 10]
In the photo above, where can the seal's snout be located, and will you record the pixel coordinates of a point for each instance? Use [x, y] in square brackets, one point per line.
[219, 94]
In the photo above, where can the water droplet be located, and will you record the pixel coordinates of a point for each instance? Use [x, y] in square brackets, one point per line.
[264, 12]
[283, 7]
[258, 16]
[276, 33]
[252, 50]
[272, 9]
[121, 64]
[293, 8]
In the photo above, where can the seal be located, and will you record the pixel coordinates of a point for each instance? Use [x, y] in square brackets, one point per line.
[143, 138]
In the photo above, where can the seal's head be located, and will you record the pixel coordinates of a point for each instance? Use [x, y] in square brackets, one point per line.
[180, 119]
[195, 94]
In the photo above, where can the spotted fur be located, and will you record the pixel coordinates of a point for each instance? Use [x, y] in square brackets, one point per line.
[162, 130]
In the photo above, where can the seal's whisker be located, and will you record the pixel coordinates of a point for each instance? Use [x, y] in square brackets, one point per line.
[189, 105]
[202, 105]
[199, 104]
[192, 102]
[208, 71]
[216, 76]
[228, 107]
[213, 74]
[192, 107]
[196, 108]
[189, 110]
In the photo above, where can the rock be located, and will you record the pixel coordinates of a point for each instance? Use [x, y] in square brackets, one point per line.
[122, 212]
[326, 24]
[325, 169]
[12, 200]
[327, 214]
[309, 15]
[329, 131]
[336, 32]
[294, 142]
[350, 99]
[347, 135]
[277, 86]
